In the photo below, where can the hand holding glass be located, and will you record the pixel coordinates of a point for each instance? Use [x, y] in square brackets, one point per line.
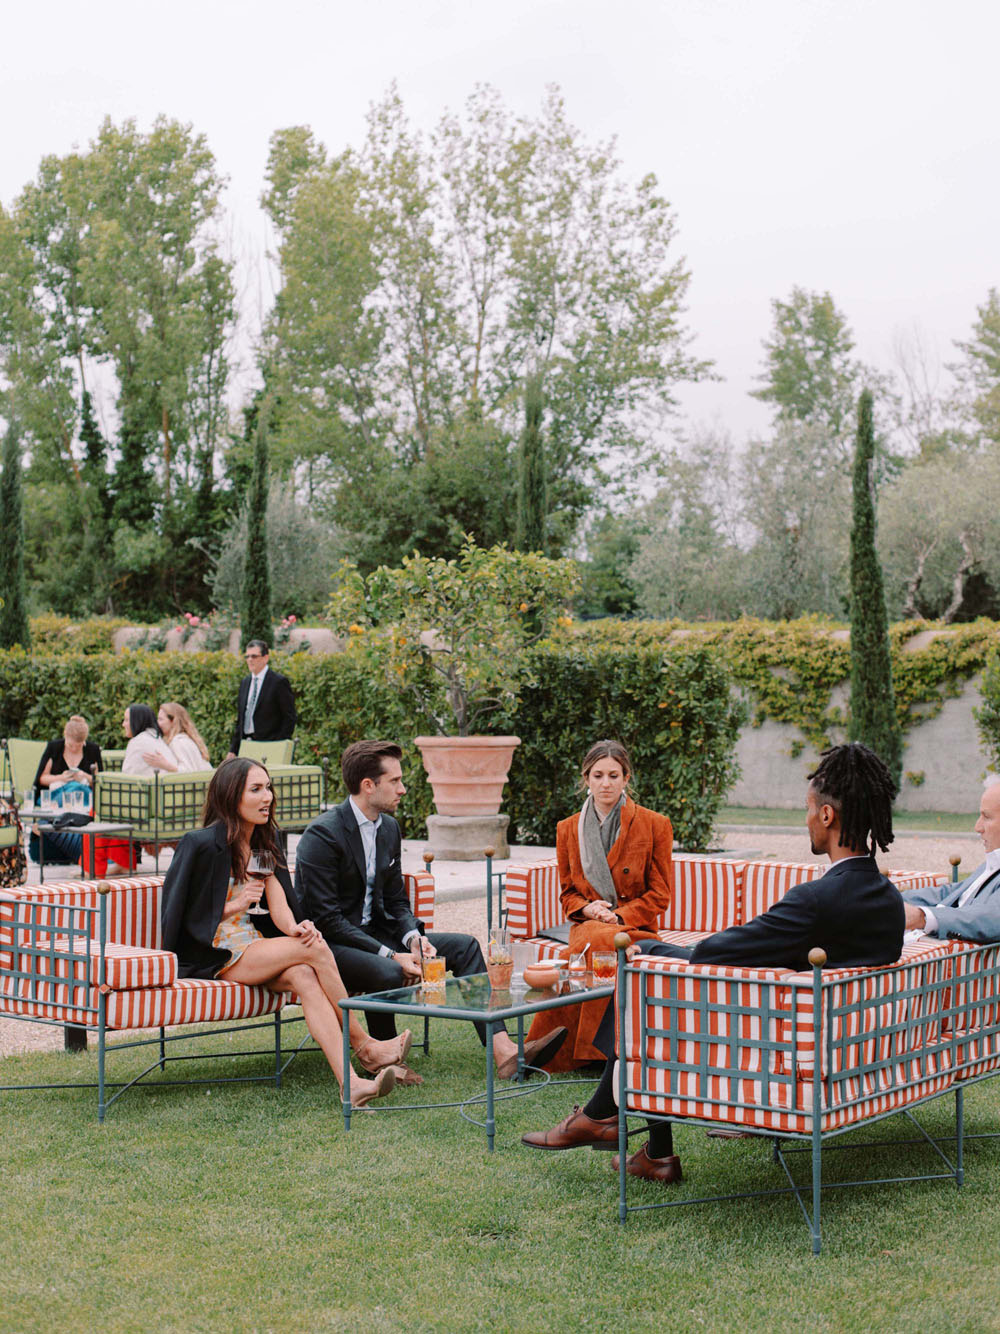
[259, 867]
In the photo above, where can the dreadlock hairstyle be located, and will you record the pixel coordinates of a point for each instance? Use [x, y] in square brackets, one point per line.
[855, 782]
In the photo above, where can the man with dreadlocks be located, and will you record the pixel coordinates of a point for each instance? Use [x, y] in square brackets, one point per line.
[852, 912]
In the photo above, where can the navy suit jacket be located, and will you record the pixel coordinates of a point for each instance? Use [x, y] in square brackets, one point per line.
[979, 920]
[330, 879]
[852, 912]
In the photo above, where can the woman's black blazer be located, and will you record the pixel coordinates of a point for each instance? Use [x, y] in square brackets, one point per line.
[194, 895]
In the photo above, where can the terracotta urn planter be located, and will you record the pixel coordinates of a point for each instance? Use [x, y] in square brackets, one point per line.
[467, 773]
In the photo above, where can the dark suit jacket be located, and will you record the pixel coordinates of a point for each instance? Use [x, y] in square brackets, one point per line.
[194, 895]
[274, 714]
[852, 912]
[330, 880]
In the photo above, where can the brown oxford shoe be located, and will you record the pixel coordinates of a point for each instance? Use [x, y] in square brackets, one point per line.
[664, 1170]
[577, 1131]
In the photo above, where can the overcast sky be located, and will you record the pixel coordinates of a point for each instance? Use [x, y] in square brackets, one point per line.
[841, 145]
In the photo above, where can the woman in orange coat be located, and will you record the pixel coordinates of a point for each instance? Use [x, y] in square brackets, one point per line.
[616, 874]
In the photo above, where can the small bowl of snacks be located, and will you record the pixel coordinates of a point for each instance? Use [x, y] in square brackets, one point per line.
[544, 973]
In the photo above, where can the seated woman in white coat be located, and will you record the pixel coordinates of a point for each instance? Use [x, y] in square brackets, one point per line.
[146, 751]
[183, 738]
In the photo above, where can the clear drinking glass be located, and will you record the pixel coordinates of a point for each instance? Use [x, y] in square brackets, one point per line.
[259, 867]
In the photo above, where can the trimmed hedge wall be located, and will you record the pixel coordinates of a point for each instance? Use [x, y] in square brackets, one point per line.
[674, 710]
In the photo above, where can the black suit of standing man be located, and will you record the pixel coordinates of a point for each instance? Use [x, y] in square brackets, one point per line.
[265, 709]
[348, 870]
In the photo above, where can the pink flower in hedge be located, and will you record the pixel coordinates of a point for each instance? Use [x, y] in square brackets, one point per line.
[195, 620]
[291, 620]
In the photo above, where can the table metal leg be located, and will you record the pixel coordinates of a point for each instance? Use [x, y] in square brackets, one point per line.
[520, 1048]
[345, 1096]
[490, 1122]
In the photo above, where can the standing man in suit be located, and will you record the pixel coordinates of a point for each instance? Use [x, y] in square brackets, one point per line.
[970, 910]
[852, 912]
[348, 870]
[265, 707]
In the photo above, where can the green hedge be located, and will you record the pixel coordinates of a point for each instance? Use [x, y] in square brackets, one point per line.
[674, 710]
[790, 669]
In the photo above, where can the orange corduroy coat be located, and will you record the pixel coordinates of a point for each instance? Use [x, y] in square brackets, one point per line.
[641, 867]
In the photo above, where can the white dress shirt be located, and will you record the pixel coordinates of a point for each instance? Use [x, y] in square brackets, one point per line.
[256, 686]
[369, 829]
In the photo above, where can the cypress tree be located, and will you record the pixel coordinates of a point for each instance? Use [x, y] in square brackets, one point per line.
[532, 501]
[873, 701]
[255, 603]
[14, 612]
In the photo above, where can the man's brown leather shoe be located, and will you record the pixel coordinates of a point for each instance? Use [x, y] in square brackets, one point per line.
[664, 1170]
[575, 1132]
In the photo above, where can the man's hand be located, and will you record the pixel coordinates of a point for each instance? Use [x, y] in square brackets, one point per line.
[421, 945]
[408, 964]
[599, 911]
[915, 917]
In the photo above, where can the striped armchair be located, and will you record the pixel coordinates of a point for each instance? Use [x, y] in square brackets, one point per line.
[88, 955]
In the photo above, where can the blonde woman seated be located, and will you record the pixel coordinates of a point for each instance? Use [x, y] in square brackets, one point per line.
[183, 738]
[207, 896]
[615, 873]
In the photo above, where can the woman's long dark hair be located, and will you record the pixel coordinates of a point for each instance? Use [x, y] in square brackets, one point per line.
[222, 806]
[141, 718]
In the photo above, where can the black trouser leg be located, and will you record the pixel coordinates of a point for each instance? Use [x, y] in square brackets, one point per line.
[363, 972]
[602, 1104]
[463, 956]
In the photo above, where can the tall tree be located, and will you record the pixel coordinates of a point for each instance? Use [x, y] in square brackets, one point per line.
[255, 606]
[14, 628]
[423, 281]
[873, 718]
[532, 500]
[112, 284]
[978, 372]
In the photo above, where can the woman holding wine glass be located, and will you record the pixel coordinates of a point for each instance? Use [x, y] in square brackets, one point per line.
[229, 911]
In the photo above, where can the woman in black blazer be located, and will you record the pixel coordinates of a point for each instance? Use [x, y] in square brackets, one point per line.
[206, 898]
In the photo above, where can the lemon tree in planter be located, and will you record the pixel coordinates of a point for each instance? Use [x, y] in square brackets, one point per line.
[451, 634]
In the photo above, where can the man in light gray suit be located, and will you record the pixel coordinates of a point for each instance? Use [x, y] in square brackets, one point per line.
[971, 909]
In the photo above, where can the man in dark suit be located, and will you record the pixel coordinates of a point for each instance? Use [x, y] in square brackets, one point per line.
[265, 708]
[852, 912]
[348, 871]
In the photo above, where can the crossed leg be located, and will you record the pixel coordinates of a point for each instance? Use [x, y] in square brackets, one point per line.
[284, 963]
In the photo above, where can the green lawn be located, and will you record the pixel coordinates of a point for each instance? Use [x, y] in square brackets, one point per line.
[945, 821]
[246, 1208]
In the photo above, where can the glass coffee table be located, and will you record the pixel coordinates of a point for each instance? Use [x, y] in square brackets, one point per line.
[472, 999]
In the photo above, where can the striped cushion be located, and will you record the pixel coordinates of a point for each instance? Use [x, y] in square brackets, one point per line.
[126, 968]
[706, 894]
[974, 1017]
[419, 886]
[766, 883]
[904, 880]
[188, 1001]
[737, 1045]
[547, 949]
[133, 906]
[686, 938]
[532, 899]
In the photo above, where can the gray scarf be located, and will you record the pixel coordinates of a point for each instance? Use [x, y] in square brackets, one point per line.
[596, 841]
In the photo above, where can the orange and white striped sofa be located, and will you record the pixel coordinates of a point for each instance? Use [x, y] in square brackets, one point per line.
[739, 1047]
[87, 954]
[710, 893]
